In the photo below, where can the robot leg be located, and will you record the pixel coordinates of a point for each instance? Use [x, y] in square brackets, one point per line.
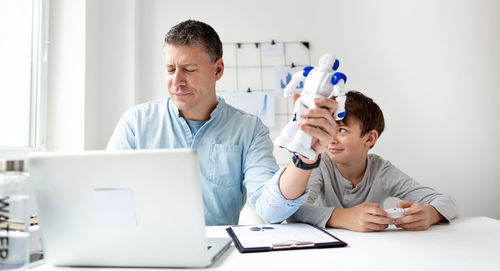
[287, 133]
[291, 127]
[301, 142]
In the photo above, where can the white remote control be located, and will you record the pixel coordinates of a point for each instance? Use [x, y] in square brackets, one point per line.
[396, 212]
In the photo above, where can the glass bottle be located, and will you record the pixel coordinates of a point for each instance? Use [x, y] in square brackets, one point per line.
[14, 216]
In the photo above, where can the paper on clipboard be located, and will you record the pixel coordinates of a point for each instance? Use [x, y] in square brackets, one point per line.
[282, 236]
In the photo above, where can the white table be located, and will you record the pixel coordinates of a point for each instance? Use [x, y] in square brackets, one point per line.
[469, 243]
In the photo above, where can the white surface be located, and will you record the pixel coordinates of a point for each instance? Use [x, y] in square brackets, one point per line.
[469, 243]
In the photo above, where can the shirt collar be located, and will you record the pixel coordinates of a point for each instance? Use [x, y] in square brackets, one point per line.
[217, 111]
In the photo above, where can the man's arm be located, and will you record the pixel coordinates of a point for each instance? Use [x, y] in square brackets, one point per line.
[293, 181]
[123, 137]
[319, 123]
[286, 191]
[309, 212]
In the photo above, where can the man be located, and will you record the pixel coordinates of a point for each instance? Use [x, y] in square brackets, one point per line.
[234, 148]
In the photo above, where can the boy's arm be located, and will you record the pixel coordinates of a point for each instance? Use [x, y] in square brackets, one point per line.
[426, 205]
[418, 216]
[364, 217]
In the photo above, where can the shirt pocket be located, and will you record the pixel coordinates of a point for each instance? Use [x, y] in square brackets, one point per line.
[225, 165]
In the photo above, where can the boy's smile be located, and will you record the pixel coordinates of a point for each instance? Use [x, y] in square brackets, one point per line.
[347, 145]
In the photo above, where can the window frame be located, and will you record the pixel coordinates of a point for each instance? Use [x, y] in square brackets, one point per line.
[38, 84]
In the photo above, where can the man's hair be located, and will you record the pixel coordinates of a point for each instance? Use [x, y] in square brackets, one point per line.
[193, 33]
[366, 111]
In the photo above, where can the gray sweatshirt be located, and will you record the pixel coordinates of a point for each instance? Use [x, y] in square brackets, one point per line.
[328, 190]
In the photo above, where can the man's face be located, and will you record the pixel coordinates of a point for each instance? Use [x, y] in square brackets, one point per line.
[347, 145]
[190, 78]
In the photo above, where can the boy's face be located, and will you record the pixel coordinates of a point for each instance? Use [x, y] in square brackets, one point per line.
[347, 145]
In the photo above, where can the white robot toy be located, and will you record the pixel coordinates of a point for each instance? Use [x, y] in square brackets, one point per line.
[321, 81]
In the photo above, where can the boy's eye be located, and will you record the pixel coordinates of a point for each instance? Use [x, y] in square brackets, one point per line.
[342, 130]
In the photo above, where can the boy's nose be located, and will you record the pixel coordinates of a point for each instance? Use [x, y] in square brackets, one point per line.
[334, 138]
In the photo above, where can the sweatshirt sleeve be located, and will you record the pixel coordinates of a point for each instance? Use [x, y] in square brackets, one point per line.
[401, 186]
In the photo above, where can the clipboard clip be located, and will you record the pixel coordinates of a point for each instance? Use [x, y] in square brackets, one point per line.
[292, 244]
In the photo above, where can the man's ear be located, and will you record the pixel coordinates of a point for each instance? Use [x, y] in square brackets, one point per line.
[219, 68]
[371, 138]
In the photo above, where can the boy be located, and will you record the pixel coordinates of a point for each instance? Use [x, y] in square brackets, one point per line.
[348, 186]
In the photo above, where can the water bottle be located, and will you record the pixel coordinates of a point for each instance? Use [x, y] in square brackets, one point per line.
[14, 216]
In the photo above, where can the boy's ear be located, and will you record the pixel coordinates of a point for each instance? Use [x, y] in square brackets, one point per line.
[371, 138]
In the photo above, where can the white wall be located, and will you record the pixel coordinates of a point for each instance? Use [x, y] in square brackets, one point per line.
[110, 67]
[91, 71]
[66, 76]
[431, 65]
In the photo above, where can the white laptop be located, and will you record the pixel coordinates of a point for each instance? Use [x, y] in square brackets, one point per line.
[140, 208]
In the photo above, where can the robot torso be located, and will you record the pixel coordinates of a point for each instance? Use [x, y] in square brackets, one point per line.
[318, 84]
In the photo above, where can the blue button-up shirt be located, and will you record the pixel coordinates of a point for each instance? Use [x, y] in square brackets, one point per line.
[234, 152]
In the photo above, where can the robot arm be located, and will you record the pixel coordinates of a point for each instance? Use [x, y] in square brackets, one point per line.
[339, 92]
[295, 81]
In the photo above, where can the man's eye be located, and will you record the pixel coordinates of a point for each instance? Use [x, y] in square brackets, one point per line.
[342, 130]
[170, 71]
[190, 70]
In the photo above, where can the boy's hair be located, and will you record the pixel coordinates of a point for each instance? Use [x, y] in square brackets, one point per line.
[192, 33]
[365, 110]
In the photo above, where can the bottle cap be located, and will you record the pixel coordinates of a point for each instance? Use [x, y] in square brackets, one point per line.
[11, 165]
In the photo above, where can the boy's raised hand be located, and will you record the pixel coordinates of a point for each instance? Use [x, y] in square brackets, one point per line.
[418, 217]
[365, 217]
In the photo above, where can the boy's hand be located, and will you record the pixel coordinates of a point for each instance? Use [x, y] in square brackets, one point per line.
[319, 123]
[364, 217]
[418, 217]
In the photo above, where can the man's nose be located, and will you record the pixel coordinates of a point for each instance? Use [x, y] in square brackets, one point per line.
[178, 78]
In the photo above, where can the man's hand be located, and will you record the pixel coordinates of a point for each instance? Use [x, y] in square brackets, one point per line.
[418, 217]
[365, 217]
[319, 123]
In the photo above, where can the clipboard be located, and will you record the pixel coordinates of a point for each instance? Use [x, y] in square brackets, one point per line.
[271, 237]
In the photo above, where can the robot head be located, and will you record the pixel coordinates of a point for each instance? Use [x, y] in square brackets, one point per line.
[328, 63]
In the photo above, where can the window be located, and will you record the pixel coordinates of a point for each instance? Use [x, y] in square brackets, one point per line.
[20, 72]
